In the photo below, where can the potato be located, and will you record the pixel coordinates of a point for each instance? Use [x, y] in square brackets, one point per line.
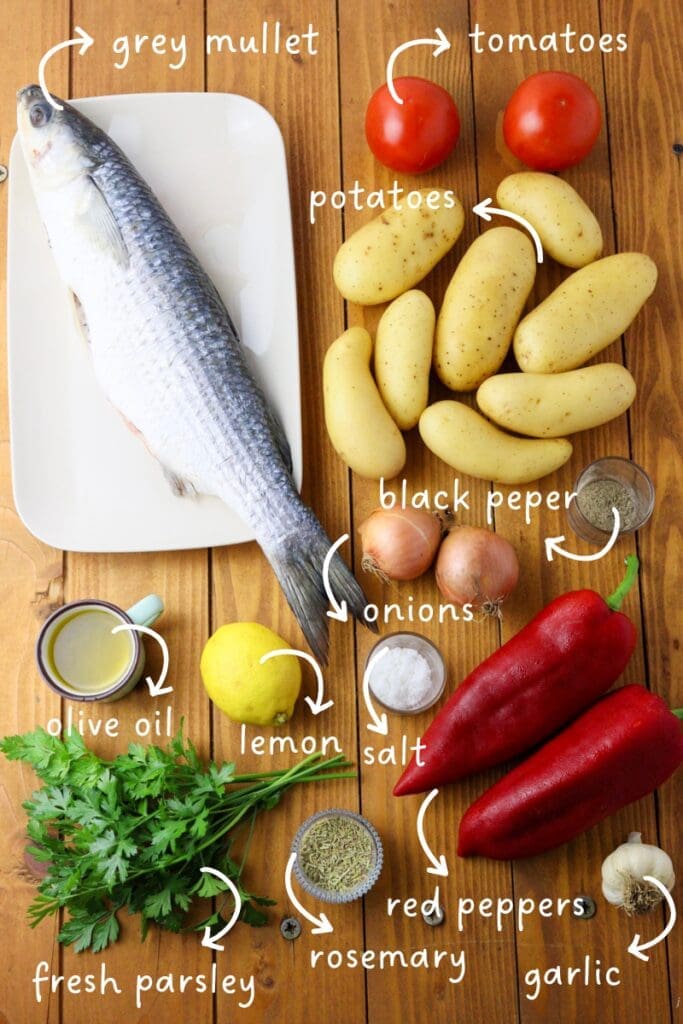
[481, 307]
[394, 251]
[555, 404]
[469, 443]
[403, 356]
[566, 226]
[585, 314]
[360, 428]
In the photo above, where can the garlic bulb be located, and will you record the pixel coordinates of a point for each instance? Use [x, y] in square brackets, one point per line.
[623, 874]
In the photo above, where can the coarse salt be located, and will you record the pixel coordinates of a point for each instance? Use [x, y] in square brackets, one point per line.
[402, 679]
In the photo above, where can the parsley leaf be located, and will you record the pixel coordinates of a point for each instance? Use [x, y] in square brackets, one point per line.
[134, 833]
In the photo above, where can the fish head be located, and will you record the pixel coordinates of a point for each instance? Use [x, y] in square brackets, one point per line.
[54, 141]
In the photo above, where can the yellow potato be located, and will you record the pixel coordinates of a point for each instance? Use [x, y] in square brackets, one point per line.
[403, 356]
[470, 444]
[360, 428]
[585, 314]
[566, 226]
[555, 404]
[394, 251]
[481, 307]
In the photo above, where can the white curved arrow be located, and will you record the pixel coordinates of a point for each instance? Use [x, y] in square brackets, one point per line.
[552, 544]
[340, 612]
[322, 923]
[212, 940]
[82, 39]
[316, 705]
[158, 688]
[439, 866]
[441, 44]
[380, 725]
[485, 210]
[636, 948]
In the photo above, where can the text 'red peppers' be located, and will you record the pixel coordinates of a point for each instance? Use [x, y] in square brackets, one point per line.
[558, 664]
[617, 751]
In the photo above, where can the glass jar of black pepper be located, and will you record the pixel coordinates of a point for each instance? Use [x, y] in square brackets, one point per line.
[605, 485]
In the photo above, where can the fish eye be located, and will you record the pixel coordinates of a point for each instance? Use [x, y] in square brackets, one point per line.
[40, 114]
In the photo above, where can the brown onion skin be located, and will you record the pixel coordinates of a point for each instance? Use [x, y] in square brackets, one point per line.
[418, 551]
[478, 567]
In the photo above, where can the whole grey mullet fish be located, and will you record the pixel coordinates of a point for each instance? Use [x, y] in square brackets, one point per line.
[166, 353]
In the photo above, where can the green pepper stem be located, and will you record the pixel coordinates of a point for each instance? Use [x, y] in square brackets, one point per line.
[614, 601]
[678, 712]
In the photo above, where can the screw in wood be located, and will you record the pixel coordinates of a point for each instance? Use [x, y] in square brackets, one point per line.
[677, 148]
[290, 928]
[434, 917]
[3, 173]
[583, 907]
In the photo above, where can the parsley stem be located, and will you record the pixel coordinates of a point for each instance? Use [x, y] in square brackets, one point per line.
[234, 806]
[133, 832]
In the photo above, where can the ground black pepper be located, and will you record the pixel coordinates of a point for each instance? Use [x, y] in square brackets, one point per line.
[597, 499]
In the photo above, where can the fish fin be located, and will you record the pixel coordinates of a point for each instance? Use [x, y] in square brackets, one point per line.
[178, 485]
[79, 316]
[297, 562]
[98, 222]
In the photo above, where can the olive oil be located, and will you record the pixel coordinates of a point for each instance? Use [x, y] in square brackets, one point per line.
[85, 655]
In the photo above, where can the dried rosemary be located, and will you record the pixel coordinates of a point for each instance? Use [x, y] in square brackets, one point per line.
[337, 853]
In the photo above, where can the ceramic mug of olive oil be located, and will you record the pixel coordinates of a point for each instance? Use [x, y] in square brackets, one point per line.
[82, 655]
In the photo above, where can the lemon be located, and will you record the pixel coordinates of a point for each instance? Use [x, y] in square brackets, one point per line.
[242, 687]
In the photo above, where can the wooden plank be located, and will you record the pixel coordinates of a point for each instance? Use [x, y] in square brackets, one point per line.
[643, 108]
[640, 94]
[301, 92]
[368, 34]
[575, 868]
[31, 582]
[181, 578]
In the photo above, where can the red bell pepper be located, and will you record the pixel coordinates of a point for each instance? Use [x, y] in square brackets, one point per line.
[618, 751]
[557, 665]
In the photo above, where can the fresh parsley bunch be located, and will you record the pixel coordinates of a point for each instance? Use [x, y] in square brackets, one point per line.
[134, 832]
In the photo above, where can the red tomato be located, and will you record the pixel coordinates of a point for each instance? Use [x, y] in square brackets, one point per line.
[552, 121]
[416, 135]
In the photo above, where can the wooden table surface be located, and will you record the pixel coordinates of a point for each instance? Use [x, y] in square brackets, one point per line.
[632, 180]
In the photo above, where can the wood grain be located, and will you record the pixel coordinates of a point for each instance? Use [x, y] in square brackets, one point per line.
[632, 180]
[181, 578]
[643, 109]
[31, 586]
[368, 33]
[572, 869]
[244, 586]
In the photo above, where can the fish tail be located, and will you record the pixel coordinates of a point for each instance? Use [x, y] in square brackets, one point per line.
[298, 565]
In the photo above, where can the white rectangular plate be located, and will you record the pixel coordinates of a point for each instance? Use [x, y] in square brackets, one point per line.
[82, 481]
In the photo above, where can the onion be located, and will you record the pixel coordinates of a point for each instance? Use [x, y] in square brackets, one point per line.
[477, 567]
[399, 544]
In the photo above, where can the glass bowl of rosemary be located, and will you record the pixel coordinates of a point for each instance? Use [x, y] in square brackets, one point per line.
[338, 856]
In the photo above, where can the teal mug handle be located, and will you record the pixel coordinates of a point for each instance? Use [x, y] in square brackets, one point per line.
[147, 611]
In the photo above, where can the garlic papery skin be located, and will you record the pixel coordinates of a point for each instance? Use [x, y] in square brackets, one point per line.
[623, 871]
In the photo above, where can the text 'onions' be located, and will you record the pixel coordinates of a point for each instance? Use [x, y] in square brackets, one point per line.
[477, 567]
[399, 544]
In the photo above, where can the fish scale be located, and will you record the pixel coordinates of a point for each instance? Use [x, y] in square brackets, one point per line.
[166, 352]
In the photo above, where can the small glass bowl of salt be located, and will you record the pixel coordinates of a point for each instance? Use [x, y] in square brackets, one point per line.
[406, 673]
